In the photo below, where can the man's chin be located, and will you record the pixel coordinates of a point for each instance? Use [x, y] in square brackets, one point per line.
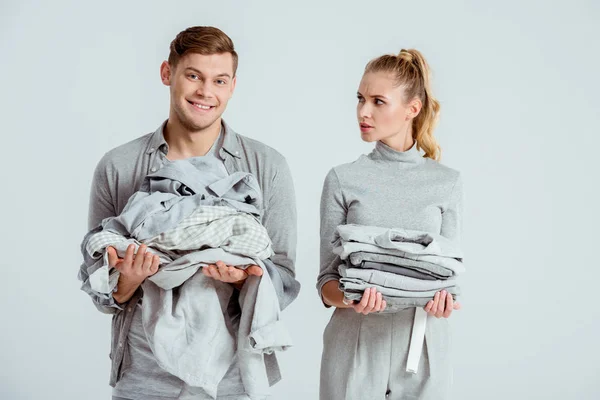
[195, 125]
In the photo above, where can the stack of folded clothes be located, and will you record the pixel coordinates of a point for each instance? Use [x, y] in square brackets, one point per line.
[407, 267]
[191, 213]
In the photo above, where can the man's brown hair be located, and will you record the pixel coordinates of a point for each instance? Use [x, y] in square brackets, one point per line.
[204, 40]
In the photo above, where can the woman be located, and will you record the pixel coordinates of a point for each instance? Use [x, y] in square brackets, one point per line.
[395, 186]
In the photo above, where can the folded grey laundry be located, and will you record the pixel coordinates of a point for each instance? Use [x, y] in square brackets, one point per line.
[358, 285]
[344, 249]
[393, 304]
[395, 281]
[397, 264]
[406, 240]
[395, 269]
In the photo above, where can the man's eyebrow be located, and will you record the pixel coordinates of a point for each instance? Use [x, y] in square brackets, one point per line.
[223, 74]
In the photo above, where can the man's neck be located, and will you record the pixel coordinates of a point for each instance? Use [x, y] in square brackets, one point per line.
[184, 143]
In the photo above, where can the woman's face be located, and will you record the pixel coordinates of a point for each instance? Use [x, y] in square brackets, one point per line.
[382, 111]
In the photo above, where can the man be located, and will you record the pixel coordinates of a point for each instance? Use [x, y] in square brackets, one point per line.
[201, 75]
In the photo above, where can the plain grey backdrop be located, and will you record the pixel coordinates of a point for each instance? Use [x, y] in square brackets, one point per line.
[519, 86]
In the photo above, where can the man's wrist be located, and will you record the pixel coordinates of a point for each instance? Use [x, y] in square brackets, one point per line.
[238, 285]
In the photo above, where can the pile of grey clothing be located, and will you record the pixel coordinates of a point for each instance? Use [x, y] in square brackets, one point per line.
[407, 267]
[192, 213]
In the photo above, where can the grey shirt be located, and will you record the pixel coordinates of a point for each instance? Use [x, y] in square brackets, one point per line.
[120, 173]
[388, 189]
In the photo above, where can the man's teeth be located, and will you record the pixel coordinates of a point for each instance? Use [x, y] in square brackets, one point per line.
[202, 107]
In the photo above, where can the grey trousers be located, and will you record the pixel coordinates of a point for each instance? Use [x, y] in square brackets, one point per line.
[364, 358]
[229, 389]
[231, 397]
[243, 397]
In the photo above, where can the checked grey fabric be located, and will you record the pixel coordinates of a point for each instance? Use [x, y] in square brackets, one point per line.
[212, 226]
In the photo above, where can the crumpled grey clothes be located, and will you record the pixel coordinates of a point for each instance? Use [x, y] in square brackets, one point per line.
[216, 226]
[400, 265]
[208, 227]
[190, 336]
[394, 281]
[175, 191]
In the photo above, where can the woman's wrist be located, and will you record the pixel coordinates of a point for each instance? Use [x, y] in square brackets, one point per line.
[333, 296]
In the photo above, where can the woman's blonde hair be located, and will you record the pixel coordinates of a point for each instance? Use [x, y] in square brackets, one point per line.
[411, 71]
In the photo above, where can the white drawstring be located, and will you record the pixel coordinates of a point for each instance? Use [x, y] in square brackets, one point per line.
[416, 340]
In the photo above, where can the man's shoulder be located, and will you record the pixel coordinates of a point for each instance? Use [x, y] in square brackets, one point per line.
[125, 154]
[255, 147]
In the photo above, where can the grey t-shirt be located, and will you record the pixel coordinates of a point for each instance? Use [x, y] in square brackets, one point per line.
[144, 378]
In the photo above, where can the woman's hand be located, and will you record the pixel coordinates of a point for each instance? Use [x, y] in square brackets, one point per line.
[371, 302]
[441, 305]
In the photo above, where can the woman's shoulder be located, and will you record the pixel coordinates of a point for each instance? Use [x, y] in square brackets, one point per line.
[348, 170]
[440, 168]
[353, 166]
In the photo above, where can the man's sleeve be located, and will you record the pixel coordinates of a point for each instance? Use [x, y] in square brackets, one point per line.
[101, 206]
[281, 223]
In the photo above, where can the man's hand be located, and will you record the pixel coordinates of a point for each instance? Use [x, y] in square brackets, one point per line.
[226, 273]
[134, 269]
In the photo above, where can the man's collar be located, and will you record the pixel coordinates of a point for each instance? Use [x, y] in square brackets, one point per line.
[231, 143]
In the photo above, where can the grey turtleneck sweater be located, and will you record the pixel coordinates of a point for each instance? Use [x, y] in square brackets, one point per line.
[391, 189]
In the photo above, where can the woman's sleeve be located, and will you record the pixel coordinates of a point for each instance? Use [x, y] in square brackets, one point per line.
[333, 213]
[452, 213]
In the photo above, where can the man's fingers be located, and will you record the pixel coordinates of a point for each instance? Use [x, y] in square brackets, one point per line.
[113, 258]
[254, 270]
[457, 305]
[222, 269]
[128, 260]
[155, 264]
[236, 274]
[140, 257]
[147, 262]
[212, 271]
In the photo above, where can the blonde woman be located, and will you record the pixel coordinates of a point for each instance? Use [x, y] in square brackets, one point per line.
[400, 184]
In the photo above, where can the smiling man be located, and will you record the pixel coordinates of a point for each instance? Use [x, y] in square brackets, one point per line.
[201, 75]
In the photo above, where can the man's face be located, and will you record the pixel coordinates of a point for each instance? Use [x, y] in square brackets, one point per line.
[200, 86]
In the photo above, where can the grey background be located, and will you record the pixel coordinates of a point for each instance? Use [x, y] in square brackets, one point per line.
[518, 83]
